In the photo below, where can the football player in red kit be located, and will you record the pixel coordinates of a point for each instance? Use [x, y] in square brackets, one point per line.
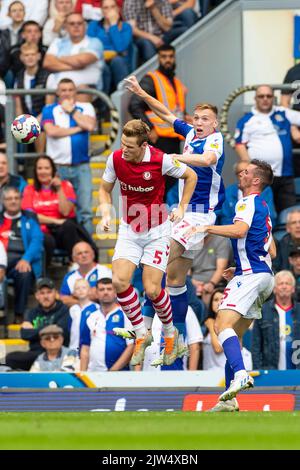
[145, 228]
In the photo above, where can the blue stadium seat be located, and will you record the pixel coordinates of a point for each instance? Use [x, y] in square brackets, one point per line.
[297, 188]
[279, 234]
[282, 216]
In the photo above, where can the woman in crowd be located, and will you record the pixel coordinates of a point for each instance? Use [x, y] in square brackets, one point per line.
[54, 202]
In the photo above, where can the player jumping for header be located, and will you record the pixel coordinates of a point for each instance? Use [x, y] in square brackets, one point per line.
[144, 233]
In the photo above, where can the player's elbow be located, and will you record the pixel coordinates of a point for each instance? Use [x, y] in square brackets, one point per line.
[240, 233]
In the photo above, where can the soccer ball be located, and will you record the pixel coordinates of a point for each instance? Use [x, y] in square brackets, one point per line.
[25, 129]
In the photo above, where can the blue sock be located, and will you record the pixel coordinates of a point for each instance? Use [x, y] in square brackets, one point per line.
[179, 301]
[229, 375]
[232, 349]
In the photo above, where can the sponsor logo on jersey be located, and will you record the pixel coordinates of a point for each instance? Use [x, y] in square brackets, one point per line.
[140, 189]
[116, 318]
[214, 145]
[242, 207]
[239, 283]
[147, 175]
[176, 163]
[278, 117]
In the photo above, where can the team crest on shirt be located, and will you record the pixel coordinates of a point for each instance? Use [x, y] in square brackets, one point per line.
[93, 278]
[115, 318]
[147, 175]
[278, 117]
[242, 207]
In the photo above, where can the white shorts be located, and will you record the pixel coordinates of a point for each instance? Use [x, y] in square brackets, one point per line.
[195, 243]
[151, 248]
[246, 294]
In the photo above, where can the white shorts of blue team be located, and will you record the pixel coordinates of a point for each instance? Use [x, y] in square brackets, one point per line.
[246, 294]
[195, 243]
[151, 248]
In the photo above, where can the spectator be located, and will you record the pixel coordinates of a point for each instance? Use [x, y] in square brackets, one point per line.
[54, 27]
[11, 36]
[76, 56]
[184, 14]
[31, 32]
[116, 37]
[80, 312]
[294, 260]
[3, 266]
[88, 269]
[151, 22]
[49, 311]
[35, 11]
[208, 265]
[192, 338]
[233, 194]
[22, 237]
[277, 334]
[265, 133]
[290, 241]
[67, 125]
[32, 76]
[53, 201]
[213, 355]
[293, 75]
[56, 356]
[8, 180]
[163, 85]
[101, 350]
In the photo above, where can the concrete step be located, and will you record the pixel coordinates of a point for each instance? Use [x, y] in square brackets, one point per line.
[12, 345]
[14, 331]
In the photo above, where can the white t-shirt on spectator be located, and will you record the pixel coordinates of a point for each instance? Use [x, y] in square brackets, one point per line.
[3, 256]
[35, 10]
[212, 360]
[49, 35]
[89, 75]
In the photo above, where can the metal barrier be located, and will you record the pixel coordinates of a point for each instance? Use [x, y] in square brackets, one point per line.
[11, 143]
[228, 136]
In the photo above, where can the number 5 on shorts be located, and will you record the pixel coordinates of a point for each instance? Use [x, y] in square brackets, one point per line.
[157, 257]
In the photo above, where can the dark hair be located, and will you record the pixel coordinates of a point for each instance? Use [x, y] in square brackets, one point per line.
[30, 23]
[166, 47]
[137, 128]
[263, 171]
[104, 280]
[37, 185]
[212, 314]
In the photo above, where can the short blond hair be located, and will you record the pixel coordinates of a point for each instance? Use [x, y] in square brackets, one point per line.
[203, 106]
[29, 46]
[137, 128]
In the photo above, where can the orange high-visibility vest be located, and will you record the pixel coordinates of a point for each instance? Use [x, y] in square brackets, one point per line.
[173, 100]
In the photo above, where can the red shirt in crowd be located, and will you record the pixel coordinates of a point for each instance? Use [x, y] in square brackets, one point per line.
[45, 201]
[94, 3]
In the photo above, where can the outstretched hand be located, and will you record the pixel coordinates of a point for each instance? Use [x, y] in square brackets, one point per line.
[133, 85]
[228, 274]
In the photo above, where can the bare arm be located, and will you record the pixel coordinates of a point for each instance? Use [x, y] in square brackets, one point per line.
[242, 152]
[272, 249]
[188, 4]
[214, 339]
[87, 123]
[65, 206]
[79, 61]
[55, 64]
[45, 219]
[56, 132]
[190, 180]
[205, 159]
[105, 205]
[84, 357]
[221, 265]
[157, 107]
[237, 230]
[285, 100]
[194, 350]
[163, 22]
[123, 359]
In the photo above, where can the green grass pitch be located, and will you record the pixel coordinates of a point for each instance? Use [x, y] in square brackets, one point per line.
[150, 430]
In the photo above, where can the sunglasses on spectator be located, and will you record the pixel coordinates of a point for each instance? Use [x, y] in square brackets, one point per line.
[49, 337]
[260, 97]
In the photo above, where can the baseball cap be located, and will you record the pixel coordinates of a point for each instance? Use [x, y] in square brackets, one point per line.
[294, 251]
[51, 330]
[45, 282]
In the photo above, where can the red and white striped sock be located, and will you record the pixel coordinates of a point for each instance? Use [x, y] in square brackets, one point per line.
[163, 308]
[131, 306]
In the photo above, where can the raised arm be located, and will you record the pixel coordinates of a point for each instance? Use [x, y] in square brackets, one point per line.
[156, 106]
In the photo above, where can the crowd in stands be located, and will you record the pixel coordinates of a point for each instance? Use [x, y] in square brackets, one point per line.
[67, 45]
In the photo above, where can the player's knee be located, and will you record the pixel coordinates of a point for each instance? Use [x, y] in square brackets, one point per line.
[119, 283]
[152, 291]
